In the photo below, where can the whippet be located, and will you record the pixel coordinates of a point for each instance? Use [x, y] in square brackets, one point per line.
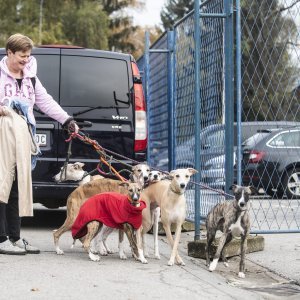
[169, 196]
[81, 194]
[232, 218]
[115, 210]
[75, 172]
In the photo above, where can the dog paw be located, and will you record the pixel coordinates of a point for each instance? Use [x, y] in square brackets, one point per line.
[94, 257]
[170, 262]
[103, 252]
[157, 256]
[143, 261]
[59, 251]
[241, 275]
[213, 265]
[181, 263]
[123, 256]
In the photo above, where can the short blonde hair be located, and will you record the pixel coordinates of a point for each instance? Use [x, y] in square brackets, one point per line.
[19, 42]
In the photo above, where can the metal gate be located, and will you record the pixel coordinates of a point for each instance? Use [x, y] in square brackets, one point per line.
[199, 95]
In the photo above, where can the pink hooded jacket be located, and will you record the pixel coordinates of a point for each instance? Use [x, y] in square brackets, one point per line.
[9, 89]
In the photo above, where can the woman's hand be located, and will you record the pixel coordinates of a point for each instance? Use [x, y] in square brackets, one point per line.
[3, 111]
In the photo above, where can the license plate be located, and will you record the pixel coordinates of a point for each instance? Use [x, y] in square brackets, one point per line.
[41, 139]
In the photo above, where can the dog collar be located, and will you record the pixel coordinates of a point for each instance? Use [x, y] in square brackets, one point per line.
[175, 192]
[84, 174]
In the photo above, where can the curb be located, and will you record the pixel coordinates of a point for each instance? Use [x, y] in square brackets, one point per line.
[254, 243]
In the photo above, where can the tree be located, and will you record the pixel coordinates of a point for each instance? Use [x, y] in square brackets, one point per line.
[79, 22]
[174, 10]
[268, 41]
[121, 27]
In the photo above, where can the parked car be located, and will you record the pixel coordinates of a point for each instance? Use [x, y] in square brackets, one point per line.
[214, 172]
[271, 160]
[212, 149]
[103, 91]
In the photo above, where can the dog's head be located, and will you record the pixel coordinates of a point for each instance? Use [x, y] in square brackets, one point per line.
[134, 192]
[242, 195]
[180, 178]
[140, 171]
[71, 172]
[154, 176]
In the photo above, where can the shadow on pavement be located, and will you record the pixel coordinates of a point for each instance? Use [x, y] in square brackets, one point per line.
[45, 218]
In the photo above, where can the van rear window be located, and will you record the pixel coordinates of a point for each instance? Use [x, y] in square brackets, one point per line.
[94, 81]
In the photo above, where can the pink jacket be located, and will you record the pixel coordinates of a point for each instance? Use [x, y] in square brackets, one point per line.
[9, 89]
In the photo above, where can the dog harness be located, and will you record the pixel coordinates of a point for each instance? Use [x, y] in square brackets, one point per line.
[112, 209]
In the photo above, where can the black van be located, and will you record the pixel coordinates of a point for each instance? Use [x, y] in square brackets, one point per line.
[102, 90]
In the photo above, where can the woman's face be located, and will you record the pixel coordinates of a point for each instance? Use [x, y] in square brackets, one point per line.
[18, 60]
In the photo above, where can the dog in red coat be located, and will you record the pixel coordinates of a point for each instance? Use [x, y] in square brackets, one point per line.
[113, 210]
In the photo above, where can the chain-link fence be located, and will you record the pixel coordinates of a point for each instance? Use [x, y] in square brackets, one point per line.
[244, 130]
[270, 83]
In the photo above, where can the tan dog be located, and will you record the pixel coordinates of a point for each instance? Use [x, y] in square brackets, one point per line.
[75, 172]
[169, 196]
[139, 169]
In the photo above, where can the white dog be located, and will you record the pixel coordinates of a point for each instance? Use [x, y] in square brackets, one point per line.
[75, 172]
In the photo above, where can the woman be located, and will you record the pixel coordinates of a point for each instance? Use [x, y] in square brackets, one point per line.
[20, 90]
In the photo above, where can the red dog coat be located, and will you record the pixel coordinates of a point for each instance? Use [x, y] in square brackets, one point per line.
[111, 209]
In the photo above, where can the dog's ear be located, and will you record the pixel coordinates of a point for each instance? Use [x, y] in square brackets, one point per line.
[78, 165]
[133, 168]
[124, 184]
[192, 171]
[253, 190]
[171, 174]
[131, 177]
[233, 187]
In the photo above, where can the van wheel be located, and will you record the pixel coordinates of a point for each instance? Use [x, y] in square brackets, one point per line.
[291, 183]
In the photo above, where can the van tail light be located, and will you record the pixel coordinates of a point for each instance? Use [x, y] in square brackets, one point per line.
[140, 143]
[256, 156]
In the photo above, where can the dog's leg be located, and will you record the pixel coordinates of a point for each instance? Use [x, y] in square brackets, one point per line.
[57, 233]
[173, 243]
[156, 215]
[92, 229]
[122, 254]
[135, 242]
[222, 241]
[210, 236]
[224, 258]
[243, 252]
[98, 244]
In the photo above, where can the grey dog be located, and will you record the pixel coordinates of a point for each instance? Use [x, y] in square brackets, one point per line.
[232, 218]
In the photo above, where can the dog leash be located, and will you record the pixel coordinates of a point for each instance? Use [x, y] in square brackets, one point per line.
[100, 150]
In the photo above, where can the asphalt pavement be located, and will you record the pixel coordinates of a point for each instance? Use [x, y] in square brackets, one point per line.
[270, 274]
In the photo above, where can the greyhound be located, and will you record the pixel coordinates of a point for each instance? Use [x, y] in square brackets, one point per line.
[232, 218]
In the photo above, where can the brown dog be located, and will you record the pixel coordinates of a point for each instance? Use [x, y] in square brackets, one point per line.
[113, 209]
[83, 192]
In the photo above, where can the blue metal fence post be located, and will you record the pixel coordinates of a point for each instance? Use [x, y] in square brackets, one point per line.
[197, 117]
[147, 76]
[171, 104]
[229, 103]
[238, 93]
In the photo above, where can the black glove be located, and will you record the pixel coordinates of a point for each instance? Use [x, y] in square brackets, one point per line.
[70, 125]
